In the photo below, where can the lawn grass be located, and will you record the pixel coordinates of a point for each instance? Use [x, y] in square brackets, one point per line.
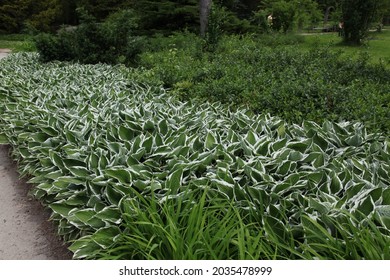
[17, 42]
[377, 45]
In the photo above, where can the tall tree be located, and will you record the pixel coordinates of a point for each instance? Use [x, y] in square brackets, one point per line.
[358, 15]
[166, 15]
[383, 11]
[13, 13]
[100, 9]
[204, 6]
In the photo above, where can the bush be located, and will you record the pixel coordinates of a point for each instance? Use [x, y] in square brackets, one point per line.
[268, 76]
[91, 42]
[357, 17]
[53, 47]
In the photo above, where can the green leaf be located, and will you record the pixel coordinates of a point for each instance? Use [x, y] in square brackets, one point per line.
[64, 181]
[3, 139]
[40, 137]
[110, 214]
[355, 140]
[366, 206]
[163, 127]
[96, 223]
[84, 215]
[319, 206]
[56, 159]
[125, 134]
[319, 161]
[103, 162]
[121, 174]
[54, 175]
[61, 208]
[210, 142]
[251, 138]
[148, 144]
[104, 237]
[320, 141]
[115, 147]
[284, 168]
[93, 161]
[84, 248]
[298, 146]
[279, 144]
[49, 130]
[173, 182]
[315, 177]
[113, 195]
[276, 229]
[79, 171]
[148, 126]
[68, 162]
[386, 197]
[335, 184]
[180, 140]
[263, 148]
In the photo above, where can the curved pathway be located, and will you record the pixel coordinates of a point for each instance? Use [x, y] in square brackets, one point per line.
[25, 230]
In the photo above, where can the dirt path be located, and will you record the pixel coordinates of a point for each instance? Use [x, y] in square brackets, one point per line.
[25, 232]
[4, 52]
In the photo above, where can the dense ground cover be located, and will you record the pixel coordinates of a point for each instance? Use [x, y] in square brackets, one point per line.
[272, 74]
[130, 172]
[376, 45]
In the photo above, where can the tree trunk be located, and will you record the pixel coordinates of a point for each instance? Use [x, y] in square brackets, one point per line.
[204, 6]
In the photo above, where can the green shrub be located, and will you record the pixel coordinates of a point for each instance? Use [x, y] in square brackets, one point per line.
[91, 42]
[52, 47]
[269, 74]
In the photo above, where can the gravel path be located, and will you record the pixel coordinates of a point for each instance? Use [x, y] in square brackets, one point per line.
[25, 232]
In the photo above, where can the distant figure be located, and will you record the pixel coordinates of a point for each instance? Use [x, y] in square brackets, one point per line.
[269, 20]
[341, 28]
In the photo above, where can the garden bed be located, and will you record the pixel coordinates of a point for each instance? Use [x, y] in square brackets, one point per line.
[130, 172]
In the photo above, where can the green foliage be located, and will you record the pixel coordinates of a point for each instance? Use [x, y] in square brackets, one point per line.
[91, 42]
[162, 16]
[100, 9]
[269, 74]
[283, 14]
[288, 14]
[130, 172]
[259, 19]
[357, 17]
[214, 31]
[308, 13]
[55, 47]
[12, 15]
[45, 20]
[17, 42]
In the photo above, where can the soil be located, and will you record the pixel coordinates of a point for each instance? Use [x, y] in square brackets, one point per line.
[25, 230]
